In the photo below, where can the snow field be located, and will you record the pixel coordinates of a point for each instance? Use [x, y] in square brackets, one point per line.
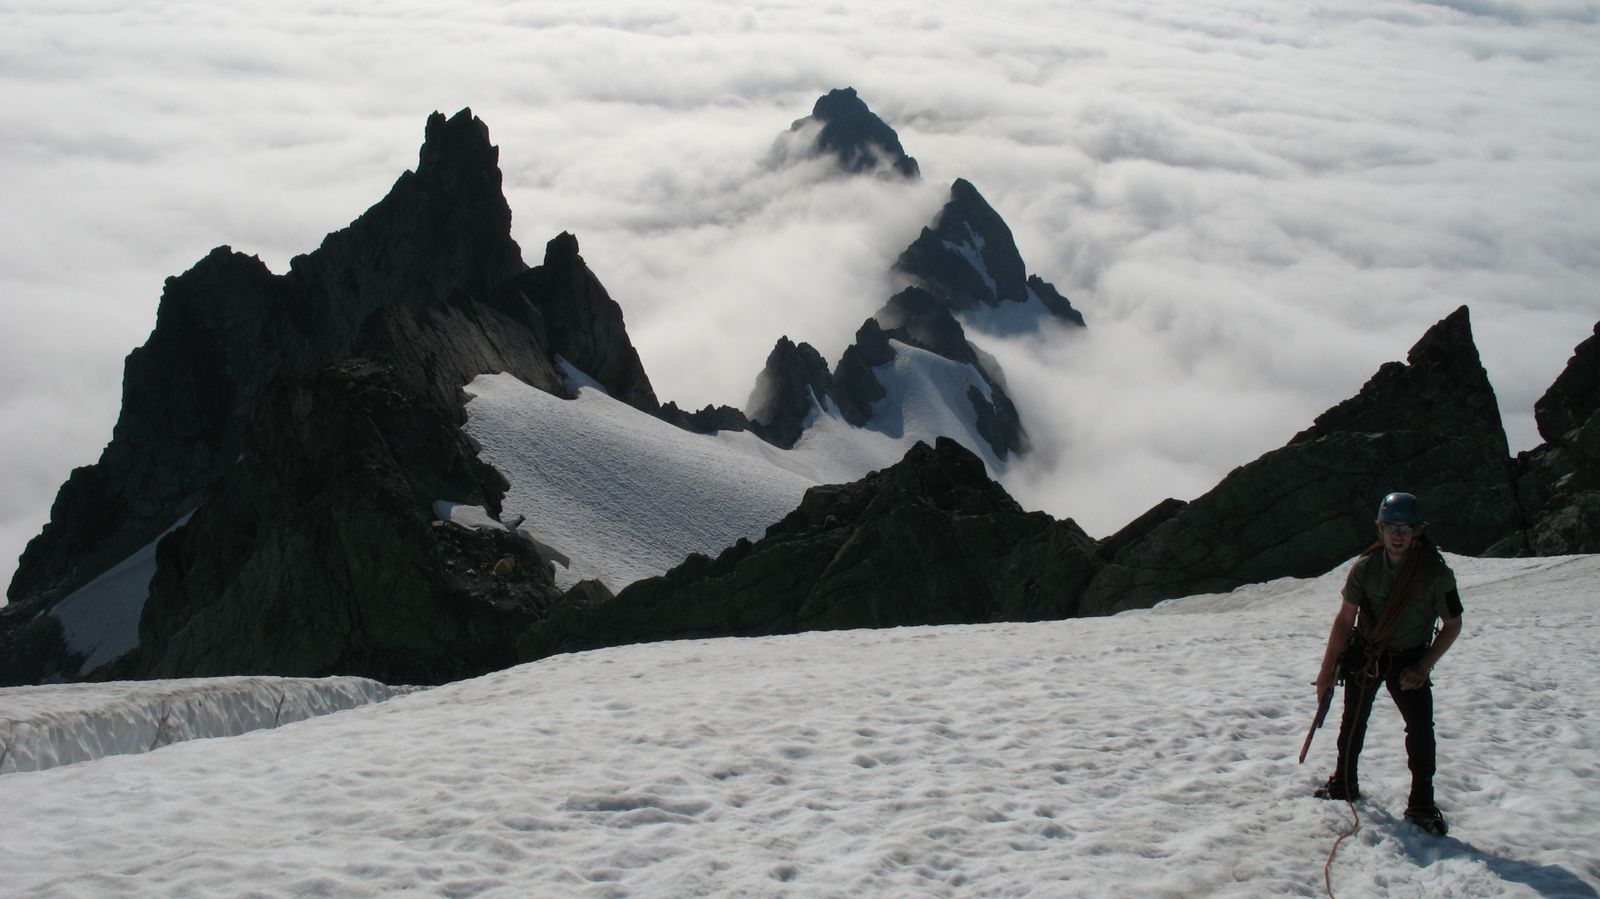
[620, 495]
[1146, 754]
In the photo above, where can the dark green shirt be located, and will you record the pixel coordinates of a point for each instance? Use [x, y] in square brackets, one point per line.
[1368, 587]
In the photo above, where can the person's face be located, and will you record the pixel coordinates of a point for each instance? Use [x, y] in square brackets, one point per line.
[1397, 538]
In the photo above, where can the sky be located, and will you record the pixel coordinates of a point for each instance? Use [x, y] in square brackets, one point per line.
[1254, 204]
[1151, 753]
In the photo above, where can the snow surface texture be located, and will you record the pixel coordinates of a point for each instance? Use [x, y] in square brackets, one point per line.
[1148, 754]
[62, 724]
[613, 494]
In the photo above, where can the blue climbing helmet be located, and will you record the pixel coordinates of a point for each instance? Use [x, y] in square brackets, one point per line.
[1402, 508]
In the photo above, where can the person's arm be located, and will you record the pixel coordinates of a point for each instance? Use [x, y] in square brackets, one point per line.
[1338, 636]
[1417, 674]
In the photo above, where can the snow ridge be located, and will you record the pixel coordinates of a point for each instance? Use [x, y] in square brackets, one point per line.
[64, 724]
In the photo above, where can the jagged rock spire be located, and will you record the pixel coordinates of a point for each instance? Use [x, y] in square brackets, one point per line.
[1558, 482]
[793, 381]
[238, 406]
[1429, 427]
[860, 140]
[969, 260]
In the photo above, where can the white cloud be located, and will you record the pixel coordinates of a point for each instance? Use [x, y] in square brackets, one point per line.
[1255, 204]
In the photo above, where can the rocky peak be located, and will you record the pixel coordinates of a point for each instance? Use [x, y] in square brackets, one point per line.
[1574, 398]
[227, 327]
[916, 317]
[1558, 482]
[860, 140]
[427, 286]
[794, 379]
[968, 259]
[1441, 388]
[1429, 427]
[443, 230]
[456, 152]
[576, 317]
[856, 388]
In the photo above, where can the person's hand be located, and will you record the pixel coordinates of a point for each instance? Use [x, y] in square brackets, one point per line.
[1324, 684]
[1414, 677]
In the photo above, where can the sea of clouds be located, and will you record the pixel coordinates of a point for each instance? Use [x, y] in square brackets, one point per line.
[1254, 204]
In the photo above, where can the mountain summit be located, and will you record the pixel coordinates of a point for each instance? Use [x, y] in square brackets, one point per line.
[855, 136]
[968, 259]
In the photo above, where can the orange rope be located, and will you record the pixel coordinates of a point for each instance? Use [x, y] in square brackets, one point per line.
[1355, 824]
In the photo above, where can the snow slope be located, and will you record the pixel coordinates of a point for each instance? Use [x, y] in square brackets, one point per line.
[1148, 754]
[613, 494]
[100, 620]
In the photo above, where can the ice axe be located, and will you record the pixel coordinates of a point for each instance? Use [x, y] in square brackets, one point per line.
[1322, 715]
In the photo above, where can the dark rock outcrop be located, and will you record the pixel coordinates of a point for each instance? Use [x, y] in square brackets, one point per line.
[856, 388]
[860, 140]
[567, 307]
[385, 323]
[1558, 483]
[1431, 427]
[1574, 398]
[228, 327]
[917, 318]
[707, 420]
[320, 555]
[930, 540]
[794, 380]
[969, 260]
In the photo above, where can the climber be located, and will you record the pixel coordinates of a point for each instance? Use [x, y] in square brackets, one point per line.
[1384, 634]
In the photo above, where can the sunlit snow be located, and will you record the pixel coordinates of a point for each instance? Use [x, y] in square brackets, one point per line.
[620, 495]
[1150, 754]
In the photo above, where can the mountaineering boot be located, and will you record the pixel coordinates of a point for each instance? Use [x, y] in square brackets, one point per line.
[1428, 818]
[1336, 788]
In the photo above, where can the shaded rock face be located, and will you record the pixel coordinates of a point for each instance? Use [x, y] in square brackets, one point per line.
[228, 327]
[1429, 427]
[860, 140]
[794, 380]
[969, 260]
[426, 287]
[917, 318]
[856, 388]
[1573, 400]
[1558, 483]
[707, 420]
[320, 556]
[930, 540]
[575, 318]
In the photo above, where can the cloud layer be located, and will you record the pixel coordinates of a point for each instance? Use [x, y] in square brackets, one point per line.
[1255, 204]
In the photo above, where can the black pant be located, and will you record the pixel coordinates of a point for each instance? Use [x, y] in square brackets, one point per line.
[1416, 708]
